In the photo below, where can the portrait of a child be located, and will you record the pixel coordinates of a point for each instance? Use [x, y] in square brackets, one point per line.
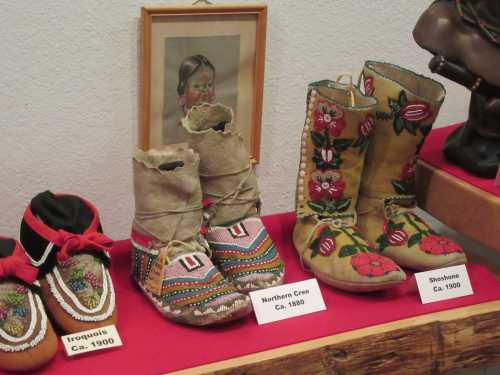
[197, 70]
[196, 82]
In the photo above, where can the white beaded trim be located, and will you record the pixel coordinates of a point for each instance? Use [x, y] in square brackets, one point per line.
[145, 249]
[35, 304]
[45, 255]
[169, 313]
[106, 281]
[303, 151]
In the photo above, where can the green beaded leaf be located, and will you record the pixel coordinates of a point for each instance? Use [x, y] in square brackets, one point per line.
[425, 130]
[361, 143]
[411, 127]
[383, 116]
[399, 125]
[415, 239]
[394, 105]
[342, 144]
[392, 226]
[348, 250]
[403, 99]
[400, 187]
[15, 299]
[343, 204]
[382, 242]
[318, 139]
[327, 232]
[318, 207]
[76, 274]
[315, 246]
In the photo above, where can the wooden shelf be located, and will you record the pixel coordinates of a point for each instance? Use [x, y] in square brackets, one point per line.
[471, 211]
[436, 343]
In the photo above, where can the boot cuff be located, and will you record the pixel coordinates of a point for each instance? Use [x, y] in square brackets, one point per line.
[345, 95]
[208, 117]
[421, 86]
[168, 157]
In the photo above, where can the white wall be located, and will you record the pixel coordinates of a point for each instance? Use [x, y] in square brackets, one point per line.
[68, 92]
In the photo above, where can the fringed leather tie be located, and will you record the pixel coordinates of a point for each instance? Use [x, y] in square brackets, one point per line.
[18, 265]
[71, 242]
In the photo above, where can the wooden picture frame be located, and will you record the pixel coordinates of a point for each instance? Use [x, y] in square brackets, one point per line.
[233, 37]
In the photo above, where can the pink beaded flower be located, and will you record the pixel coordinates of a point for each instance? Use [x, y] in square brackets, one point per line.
[371, 264]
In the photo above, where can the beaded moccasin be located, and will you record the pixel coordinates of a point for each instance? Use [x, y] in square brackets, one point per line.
[63, 237]
[240, 243]
[27, 340]
[170, 256]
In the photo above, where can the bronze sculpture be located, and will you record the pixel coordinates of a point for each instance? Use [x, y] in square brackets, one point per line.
[464, 36]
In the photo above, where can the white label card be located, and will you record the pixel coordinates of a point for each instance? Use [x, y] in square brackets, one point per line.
[443, 284]
[91, 340]
[287, 301]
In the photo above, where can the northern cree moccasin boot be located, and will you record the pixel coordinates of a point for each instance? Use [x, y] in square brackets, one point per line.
[27, 340]
[170, 259]
[63, 237]
[408, 106]
[240, 244]
[334, 140]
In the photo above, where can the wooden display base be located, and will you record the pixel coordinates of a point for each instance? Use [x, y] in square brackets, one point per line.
[463, 207]
[436, 343]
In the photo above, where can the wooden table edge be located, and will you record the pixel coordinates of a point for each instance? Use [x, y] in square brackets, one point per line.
[463, 207]
[442, 316]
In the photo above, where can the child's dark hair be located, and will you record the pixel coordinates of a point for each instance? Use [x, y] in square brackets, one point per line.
[189, 66]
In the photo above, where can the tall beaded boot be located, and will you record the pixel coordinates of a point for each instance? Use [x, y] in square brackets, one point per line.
[169, 255]
[63, 237]
[408, 106]
[334, 140]
[240, 244]
[27, 339]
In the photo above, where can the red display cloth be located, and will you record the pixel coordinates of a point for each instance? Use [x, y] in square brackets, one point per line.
[432, 153]
[154, 345]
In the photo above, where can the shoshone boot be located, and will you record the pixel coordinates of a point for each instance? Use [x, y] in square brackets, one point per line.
[63, 237]
[335, 137]
[408, 106]
[169, 255]
[241, 245]
[27, 340]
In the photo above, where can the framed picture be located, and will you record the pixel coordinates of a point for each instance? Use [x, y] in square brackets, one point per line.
[198, 54]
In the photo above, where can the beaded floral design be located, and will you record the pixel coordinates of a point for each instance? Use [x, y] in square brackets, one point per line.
[326, 186]
[329, 118]
[408, 115]
[364, 129]
[397, 234]
[326, 190]
[83, 275]
[326, 244]
[438, 245]
[369, 86]
[406, 184]
[14, 309]
[373, 265]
